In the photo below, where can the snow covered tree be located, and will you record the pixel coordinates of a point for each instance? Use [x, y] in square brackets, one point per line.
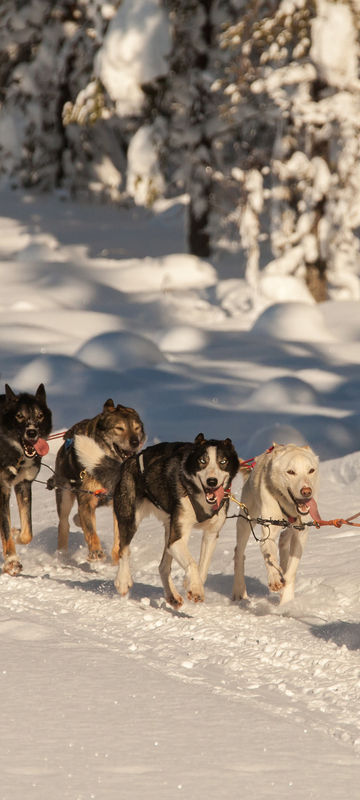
[291, 90]
[192, 110]
[48, 51]
[251, 108]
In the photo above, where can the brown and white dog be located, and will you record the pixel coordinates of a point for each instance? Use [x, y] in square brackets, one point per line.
[282, 484]
[119, 433]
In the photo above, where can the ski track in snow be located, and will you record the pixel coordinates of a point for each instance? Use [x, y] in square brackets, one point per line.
[301, 664]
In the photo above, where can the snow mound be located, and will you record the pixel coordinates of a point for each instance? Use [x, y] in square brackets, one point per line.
[292, 322]
[27, 337]
[56, 371]
[177, 271]
[344, 319]
[120, 351]
[285, 288]
[283, 391]
[183, 339]
[278, 432]
[343, 471]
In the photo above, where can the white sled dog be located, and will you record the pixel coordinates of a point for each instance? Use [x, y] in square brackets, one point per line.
[283, 483]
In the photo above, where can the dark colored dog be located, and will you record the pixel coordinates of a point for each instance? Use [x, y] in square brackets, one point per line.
[119, 432]
[25, 423]
[185, 484]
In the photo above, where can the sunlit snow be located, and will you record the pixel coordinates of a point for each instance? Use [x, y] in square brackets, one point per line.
[104, 697]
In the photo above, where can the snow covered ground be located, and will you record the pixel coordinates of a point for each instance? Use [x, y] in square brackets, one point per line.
[103, 697]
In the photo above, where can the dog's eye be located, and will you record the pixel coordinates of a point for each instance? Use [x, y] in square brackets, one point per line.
[20, 417]
[223, 462]
[40, 416]
[202, 460]
[311, 470]
[291, 472]
[120, 428]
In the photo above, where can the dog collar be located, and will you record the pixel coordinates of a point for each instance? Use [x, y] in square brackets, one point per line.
[289, 518]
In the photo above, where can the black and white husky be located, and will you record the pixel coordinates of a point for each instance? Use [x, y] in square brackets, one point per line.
[25, 424]
[185, 484]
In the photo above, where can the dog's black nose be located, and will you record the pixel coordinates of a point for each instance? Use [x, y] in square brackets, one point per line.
[31, 433]
[212, 482]
[134, 441]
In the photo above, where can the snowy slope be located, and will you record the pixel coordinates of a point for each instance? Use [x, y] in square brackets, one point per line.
[102, 696]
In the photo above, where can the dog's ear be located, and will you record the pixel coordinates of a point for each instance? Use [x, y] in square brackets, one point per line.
[121, 409]
[109, 405]
[40, 395]
[228, 443]
[200, 439]
[125, 409]
[10, 396]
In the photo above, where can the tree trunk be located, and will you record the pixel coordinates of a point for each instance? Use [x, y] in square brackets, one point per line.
[316, 280]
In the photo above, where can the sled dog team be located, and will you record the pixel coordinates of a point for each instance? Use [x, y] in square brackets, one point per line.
[187, 485]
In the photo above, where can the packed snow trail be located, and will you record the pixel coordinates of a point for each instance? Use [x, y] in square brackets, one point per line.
[247, 681]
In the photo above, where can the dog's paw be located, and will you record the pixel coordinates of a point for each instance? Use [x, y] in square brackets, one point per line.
[237, 596]
[12, 566]
[196, 597]
[96, 555]
[194, 592]
[122, 587]
[193, 585]
[123, 581]
[278, 584]
[174, 599]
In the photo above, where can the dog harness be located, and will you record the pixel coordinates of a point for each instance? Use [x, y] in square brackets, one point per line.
[148, 493]
[201, 515]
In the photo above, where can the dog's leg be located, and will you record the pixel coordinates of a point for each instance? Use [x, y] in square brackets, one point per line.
[297, 544]
[284, 548]
[208, 544]
[12, 564]
[171, 595]
[23, 497]
[128, 514]
[243, 531]
[268, 547]
[87, 506]
[123, 581]
[65, 499]
[180, 529]
[116, 545]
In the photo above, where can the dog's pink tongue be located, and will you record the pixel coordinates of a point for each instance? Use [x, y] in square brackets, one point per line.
[219, 494]
[313, 509]
[41, 447]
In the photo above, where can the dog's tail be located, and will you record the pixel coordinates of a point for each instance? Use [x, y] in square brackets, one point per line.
[103, 468]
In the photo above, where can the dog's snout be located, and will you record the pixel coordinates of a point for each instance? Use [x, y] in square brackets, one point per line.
[134, 441]
[306, 491]
[212, 482]
[31, 433]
